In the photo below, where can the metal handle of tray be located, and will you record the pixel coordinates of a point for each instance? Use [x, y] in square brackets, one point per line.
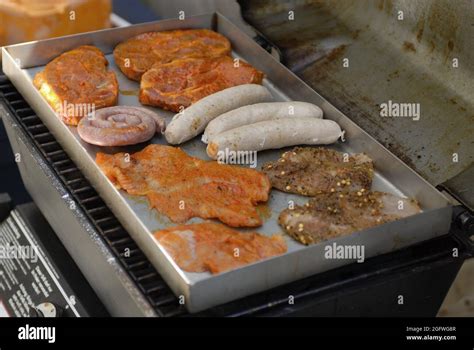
[463, 221]
[271, 48]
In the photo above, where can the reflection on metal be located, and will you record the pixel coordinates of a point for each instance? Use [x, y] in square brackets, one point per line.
[412, 60]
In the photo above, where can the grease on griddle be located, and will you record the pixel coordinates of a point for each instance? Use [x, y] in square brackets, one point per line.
[129, 92]
[264, 211]
[409, 46]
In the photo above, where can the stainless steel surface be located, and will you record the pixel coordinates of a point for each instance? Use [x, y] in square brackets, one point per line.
[118, 21]
[408, 60]
[202, 290]
[462, 187]
[117, 291]
[177, 8]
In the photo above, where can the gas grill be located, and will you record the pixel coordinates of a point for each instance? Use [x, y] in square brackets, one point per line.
[131, 286]
[128, 285]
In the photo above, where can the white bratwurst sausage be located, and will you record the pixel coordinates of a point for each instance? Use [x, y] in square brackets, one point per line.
[272, 134]
[258, 113]
[194, 119]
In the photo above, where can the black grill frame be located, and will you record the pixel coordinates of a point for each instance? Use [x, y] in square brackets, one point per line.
[307, 292]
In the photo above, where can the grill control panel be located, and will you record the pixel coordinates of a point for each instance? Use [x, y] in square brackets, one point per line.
[33, 282]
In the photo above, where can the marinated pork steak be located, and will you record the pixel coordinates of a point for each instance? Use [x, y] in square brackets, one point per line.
[182, 82]
[77, 83]
[310, 171]
[211, 247]
[182, 187]
[331, 215]
[138, 54]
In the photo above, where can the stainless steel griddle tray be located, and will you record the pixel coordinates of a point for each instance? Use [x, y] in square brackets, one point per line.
[202, 290]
